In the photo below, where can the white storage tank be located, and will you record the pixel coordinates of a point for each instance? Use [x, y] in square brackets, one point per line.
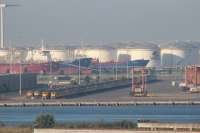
[4, 53]
[138, 50]
[102, 54]
[62, 54]
[16, 55]
[179, 53]
[29, 55]
[38, 55]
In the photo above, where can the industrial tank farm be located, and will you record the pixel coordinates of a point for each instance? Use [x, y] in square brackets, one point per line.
[173, 54]
[50, 54]
[138, 51]
[179, 53]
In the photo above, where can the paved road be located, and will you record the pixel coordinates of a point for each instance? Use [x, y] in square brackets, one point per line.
[160, 91]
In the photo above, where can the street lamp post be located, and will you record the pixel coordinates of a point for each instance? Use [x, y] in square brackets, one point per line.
[116, 74]
[79, 71]
[20, 79]
[127, 70]
[99, 70]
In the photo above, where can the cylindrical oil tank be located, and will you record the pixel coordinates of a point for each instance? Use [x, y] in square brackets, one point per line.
[62, 54]
[102, 54]
[38, 55]
[179, 53]
[17, 55]
[137, 51]
[23, 54]
[29, 55]
[4, 54]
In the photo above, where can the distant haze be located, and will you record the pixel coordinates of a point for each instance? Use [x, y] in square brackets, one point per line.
[71, 21]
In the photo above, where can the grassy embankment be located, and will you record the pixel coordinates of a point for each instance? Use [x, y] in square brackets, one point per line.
[75, 125]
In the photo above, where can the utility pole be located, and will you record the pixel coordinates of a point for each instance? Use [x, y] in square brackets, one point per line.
[113, 67]
[127, 70]
[99, 70]
[133, 81]
[51, 67]
[20, 79]
[79, 71]
[116, 74]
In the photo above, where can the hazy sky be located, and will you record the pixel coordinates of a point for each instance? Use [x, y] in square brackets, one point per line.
[102, 20]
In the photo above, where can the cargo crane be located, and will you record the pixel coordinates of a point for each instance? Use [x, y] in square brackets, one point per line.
[138, 82]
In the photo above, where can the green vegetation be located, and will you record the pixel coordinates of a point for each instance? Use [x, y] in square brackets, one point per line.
[1, 124]
[87, 79]
[74, 82]
[98, 125]
[44, 121]
[48, 121]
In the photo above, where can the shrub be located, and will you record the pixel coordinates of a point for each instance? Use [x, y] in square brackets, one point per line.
[44, 121]
[2, 124]
[87, 79]
[98, 125]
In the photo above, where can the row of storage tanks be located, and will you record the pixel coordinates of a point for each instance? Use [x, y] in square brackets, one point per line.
[172, 54]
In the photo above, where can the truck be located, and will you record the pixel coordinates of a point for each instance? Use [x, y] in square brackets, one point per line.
[195, 89]
[60, 82]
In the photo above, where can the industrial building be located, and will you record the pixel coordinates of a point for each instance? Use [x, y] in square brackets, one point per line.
[11, 82]
[179, 54]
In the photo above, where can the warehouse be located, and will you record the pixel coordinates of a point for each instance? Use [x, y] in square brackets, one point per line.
[11, 82]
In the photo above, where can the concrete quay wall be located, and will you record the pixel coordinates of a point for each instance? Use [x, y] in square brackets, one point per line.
[103, 131]
[63, 103]
[169, 126]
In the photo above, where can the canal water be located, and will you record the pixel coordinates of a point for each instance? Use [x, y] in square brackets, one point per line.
[162, 113]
